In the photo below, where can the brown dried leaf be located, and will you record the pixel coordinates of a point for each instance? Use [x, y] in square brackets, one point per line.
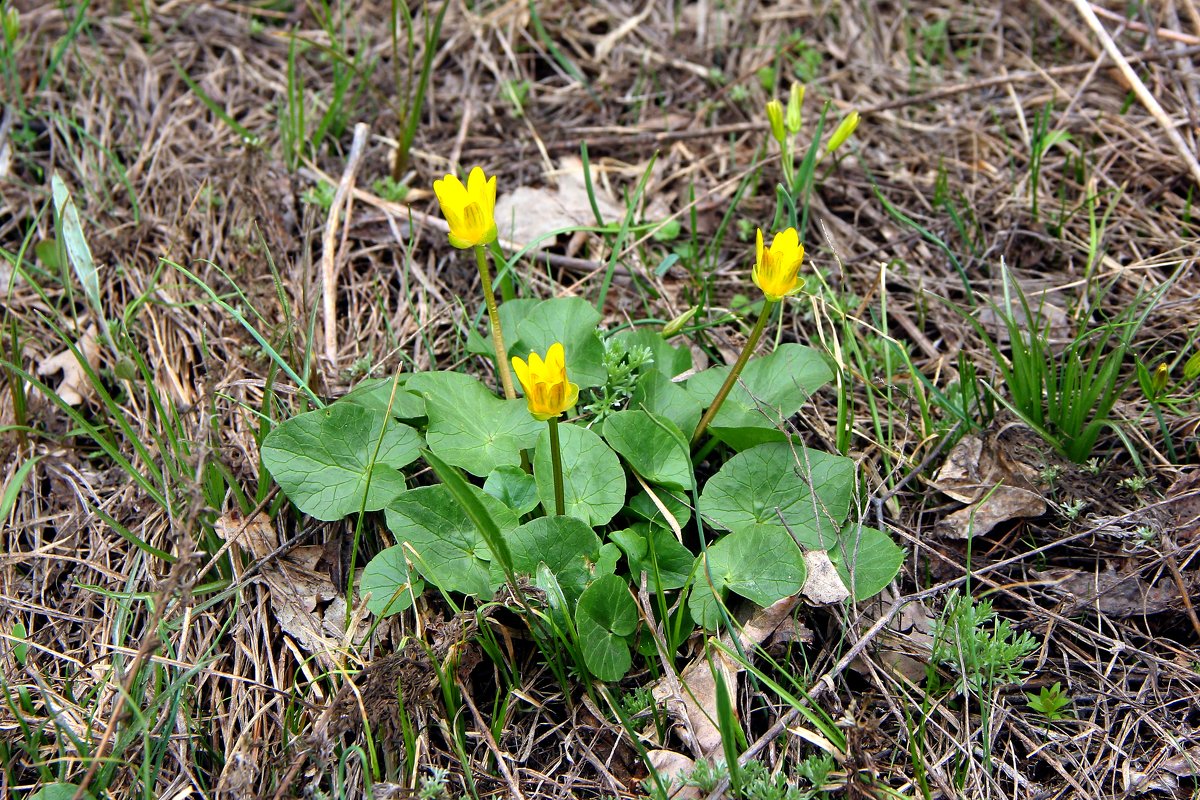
[1183, 504]
[1004, 504]
[696, 711]
[992, 473]
[74, 387]
[674, 768]
[307, 605]
[1110, 592]
[823, 586]
[905, 644]
[527, 213]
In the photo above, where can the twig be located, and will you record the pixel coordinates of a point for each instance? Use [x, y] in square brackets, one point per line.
[1148, 100]
[329, 248]
[1134, 25]
[513, 785]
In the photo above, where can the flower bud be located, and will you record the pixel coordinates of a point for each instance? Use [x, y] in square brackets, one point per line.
[775, 117]
[676, 325]
[795, 100]
[844, 129]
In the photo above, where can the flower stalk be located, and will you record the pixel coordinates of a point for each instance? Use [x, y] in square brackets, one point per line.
[489, 297]
[731, 379]
[560, 507]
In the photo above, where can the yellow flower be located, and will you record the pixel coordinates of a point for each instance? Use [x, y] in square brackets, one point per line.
[470, 209]
[547, 390]
[775, 117]
[776, 270]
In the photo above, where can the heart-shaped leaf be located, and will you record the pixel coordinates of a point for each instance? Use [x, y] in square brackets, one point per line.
[322, 459]
[769, 390]
[469, 426]
[604, 616]
[776, 487]
[867, 559]
[653, 446]
[389, 583]
[374, 393]
[566, 545]
[445, 544]
[658, 394]
[593, 480]
[514, 487]
[573, 322]
[655, 551]
[760, 564]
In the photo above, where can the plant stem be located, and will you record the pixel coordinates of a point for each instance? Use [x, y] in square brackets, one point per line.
[485, 276]
[556, 460]
[751, 343]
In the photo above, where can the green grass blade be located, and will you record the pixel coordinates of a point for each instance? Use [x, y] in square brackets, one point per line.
[241, 130]
[9, 500]
[462, 493]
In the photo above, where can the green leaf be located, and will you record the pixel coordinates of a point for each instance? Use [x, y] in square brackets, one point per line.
[60, 791]
[643, 507]
[15, 484]
[469, 426]
[755, 487]
[604, 616]
[566, 545]
[20, 650]
[320, 459]
[760, 564]
[374, 393]
[388, 582]
[511, 313]
[593, 480]
[653, 446]
[668, 359]
[446, 545]
[467, 496]
[658, 394]
[769, 390]
[655, 551]
[78, 252]
[866, 559]
[514, 487]
[573, 322]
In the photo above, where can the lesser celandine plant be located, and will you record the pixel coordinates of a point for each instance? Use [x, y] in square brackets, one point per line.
[777, 274]
[589, 506]
[470, 212]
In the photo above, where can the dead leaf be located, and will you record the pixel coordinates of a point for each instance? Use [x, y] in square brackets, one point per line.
[1110, 592]
[74, 387]
[307, 606]
[823, 586]
[696, 711]
[1185, 764]
[526, 214]
[905, 645]
[1004, 504]
[994, 474]
[674, 769]
[1183, 503]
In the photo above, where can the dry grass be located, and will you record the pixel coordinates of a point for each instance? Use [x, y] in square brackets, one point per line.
[157, 679]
